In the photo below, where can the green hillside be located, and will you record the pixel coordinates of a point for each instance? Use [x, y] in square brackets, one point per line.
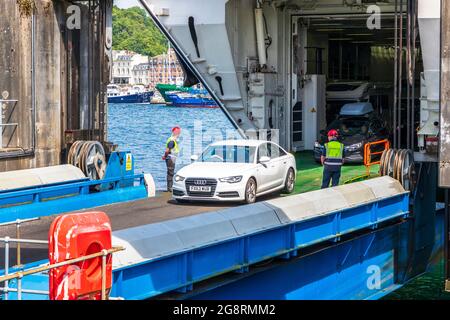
[134, 30]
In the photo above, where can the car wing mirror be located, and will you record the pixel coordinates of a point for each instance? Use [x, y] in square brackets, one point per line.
[264, 160]
[194, 158]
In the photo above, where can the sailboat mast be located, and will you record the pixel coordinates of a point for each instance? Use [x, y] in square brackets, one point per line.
[170, 64]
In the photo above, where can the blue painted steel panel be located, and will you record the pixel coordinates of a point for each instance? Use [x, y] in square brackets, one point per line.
[342, 271]
[314, 230]
[352, 218]
[204, 266]
[82, 200]
[119, 185]
[206, 252]
[266, 245]
[240, 252]
[143, 281]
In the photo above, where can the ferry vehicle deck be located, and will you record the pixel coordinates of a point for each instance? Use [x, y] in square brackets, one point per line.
[68, 195]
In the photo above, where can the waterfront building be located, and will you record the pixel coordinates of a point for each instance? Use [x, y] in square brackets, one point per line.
[124, 62]
[163, 68]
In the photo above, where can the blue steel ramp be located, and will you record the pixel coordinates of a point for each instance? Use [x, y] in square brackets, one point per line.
[175, 254]
[46, 191]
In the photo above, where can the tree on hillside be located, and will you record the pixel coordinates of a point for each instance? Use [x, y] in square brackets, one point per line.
[134, 30]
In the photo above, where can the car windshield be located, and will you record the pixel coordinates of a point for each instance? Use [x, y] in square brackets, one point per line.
[229, 154]
[350, 126]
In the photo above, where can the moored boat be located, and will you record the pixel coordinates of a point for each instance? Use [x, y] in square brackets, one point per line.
[184, 99]
[137, 94]
[163, 88]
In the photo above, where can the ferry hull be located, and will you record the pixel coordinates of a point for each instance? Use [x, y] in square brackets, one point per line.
[363, 268]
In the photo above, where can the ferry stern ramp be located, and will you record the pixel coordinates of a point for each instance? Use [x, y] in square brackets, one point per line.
[347, 242]
[307, 246]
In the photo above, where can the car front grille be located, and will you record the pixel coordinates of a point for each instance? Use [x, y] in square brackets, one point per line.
[201, 182]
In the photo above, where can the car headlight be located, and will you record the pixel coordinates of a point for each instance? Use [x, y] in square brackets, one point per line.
[234, 179]
[354, 147]
[178, 178]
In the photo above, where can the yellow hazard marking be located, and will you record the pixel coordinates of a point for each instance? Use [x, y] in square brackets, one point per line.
[129, 162]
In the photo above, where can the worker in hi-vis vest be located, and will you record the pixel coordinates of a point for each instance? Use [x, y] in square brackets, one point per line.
[170, 155]
[332, 160]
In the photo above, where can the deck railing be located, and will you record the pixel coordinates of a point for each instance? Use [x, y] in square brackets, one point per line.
[46, 267]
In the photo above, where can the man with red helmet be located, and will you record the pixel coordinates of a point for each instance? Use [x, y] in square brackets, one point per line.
[332, 160]
[170, 155]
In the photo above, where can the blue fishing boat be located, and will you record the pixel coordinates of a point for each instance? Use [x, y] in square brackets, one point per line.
[137, 94]
[185, 99]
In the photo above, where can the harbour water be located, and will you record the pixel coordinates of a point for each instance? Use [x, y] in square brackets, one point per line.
[426, 287]
[143, 130]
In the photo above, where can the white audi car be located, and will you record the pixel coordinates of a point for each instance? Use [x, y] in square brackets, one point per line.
[236, 170]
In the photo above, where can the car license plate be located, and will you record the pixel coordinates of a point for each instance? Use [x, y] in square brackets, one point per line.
[200, 189]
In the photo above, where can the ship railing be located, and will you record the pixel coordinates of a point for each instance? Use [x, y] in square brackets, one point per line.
[19, 275]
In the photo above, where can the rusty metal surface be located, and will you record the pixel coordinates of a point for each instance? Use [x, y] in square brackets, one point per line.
[56, 69]
[444, 154]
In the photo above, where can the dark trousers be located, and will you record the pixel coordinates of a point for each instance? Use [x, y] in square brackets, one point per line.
[170, 163]
[330, 175]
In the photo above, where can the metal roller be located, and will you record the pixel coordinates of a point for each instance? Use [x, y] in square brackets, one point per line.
[396, 164]
[406, 170]
[90, 157]
[387, 162]
[74, 151]
[382, 162]
[399, 164]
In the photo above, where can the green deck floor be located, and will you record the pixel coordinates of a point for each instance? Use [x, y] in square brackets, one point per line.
[309, 172]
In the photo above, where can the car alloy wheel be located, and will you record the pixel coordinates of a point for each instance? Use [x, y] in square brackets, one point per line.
[290, 181]
[250, 191]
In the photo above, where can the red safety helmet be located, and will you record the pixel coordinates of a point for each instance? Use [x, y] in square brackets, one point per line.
[333, 133]
[176, 129]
